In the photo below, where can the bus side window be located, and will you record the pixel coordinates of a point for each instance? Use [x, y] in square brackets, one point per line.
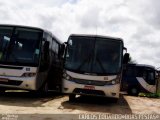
[144, 75]
[151, 78]
[140, 72]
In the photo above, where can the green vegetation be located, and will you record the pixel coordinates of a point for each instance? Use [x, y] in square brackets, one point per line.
[150, 95]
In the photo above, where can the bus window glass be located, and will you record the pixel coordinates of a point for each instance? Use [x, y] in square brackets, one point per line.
[19, 45]
[25, 46]
[139, 72]
[78, 54]
[5, 36]
[151, 78]
[94, 55]
[107, 59]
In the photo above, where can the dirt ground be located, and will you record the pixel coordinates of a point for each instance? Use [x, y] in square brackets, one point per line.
[27, 103]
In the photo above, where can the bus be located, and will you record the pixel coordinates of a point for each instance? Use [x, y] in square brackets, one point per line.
[139, 78]
[29, 59]
[93, 66]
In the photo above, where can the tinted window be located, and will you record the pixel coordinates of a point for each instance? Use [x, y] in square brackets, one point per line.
[19, 45]
[151, 78]
[94, 55]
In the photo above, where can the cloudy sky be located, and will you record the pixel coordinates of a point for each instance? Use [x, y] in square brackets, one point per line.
[136, 21]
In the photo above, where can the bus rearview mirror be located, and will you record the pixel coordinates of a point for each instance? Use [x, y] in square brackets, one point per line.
[124, 48]
[126, 58]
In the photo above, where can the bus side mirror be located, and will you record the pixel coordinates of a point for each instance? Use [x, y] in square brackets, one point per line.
[124, 48]
[126, 58]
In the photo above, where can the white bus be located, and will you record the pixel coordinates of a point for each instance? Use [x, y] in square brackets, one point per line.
[29, 56]
[139, 78]
[93, 66]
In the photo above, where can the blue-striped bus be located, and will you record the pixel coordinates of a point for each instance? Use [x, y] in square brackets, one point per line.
[139, 78]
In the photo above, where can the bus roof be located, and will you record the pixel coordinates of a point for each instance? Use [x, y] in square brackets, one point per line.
[141, 65]
[98, 36]
[30, 27]
[23, 26]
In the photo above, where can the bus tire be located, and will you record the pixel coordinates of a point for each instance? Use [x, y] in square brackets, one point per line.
[43, 90]
[72, 97]
[115, 100]
[134, 91]
[45, 87]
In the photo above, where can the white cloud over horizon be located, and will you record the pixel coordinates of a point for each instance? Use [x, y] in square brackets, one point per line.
[135, 21]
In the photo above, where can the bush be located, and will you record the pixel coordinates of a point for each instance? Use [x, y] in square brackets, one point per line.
[150, 95]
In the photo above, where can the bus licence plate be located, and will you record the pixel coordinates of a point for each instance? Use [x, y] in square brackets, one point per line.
[89, 87]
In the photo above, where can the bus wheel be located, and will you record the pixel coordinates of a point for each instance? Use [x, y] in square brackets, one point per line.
[133, 91]
[72, 97]
[44, 88]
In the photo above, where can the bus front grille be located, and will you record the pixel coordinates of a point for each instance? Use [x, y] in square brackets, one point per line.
[11, 82]
[90, 82]
[89, 92]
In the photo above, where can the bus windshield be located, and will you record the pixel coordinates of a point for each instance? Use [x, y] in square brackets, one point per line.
[19, 45]
[94, 55]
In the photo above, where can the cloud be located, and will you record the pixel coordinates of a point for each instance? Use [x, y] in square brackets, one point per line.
[137, 22]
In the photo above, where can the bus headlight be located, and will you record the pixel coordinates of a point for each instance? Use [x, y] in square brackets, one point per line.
[68, 77]
[112, 82]
[115, 81]
[65, 76]
[28, 74]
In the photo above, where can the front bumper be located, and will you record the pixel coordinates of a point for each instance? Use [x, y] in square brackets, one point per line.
[28, 83]
[70, 87]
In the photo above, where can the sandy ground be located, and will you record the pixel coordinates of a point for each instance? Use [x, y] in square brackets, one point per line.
[27, 103]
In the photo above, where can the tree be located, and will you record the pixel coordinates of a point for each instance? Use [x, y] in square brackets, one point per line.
[131, 60]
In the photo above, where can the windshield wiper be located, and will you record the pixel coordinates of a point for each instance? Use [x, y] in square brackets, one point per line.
[100, 63]
[83, 63]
